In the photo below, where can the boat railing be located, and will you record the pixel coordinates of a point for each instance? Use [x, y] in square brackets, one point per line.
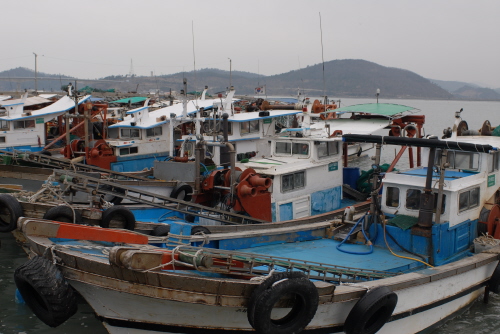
[255, 265]
[86, 183]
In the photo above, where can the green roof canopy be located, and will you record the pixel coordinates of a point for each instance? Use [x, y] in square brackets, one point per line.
[385, 109]
[135, 99]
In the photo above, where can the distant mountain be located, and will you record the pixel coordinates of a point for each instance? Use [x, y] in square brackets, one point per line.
[342, 78]
[358, 78]
[452, 86]
[20, 78]
[476, 93]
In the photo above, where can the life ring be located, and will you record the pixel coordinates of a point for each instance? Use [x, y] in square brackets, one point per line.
[11, 210]
[63, 213]
[120, 213]
[266, 295]
[371, 312]
[46, 291]
[182, 190]
[494, 281]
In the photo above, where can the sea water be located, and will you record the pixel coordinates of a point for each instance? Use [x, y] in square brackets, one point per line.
[17, 318]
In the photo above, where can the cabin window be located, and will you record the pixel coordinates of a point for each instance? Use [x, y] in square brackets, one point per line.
[468, 199]
[4, 125]
[113, 133]
[289, 148]
[413, 200]
[328, 148]
[156, 131]
[494, 165]
[392, 197]
[249, 127]
[24, 124]
[460, 160]
[128, 150]
[283, 148]
[188, 147]
[2, 139]
[293, 181]
[130, 133]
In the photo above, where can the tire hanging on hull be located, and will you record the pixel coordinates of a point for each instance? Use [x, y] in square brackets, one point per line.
[303, 303]
[46, 291]
[371, 312]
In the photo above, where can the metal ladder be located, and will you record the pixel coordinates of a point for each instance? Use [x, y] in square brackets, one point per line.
[62, 163]
[89, 184]
[248, 264]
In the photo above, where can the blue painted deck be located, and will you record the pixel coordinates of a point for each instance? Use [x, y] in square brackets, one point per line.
[325, 251]
[448, 175]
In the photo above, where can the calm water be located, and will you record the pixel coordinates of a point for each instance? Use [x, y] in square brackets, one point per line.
[480, 318]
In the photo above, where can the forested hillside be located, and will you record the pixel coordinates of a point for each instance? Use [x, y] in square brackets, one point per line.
[340, 78]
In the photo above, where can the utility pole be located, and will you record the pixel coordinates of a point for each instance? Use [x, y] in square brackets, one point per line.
[36, 74]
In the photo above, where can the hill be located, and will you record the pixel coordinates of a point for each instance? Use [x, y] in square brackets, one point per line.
[342, 78]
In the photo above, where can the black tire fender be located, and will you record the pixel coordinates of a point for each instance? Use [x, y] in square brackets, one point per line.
[118, 212]
[46, 291]
[64, 214]
[181, 188]
[10, 211]
[265, 296]
[494, 281]
[111, 198]
[198, 229]
[371, 312]
[161, 230]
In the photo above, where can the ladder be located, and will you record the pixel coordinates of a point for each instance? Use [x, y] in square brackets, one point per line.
[93, 185]
[248, 264]
[62, 163]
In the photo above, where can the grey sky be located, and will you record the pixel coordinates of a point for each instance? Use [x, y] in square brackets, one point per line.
[439, 39]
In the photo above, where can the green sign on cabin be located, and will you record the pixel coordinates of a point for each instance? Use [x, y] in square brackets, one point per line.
[333, 166]
[39, 120]
[268, 120]
[491, 180]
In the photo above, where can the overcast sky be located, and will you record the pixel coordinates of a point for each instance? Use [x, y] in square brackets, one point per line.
[439, 39]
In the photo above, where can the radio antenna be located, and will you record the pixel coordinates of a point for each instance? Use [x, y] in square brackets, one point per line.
[322, 57]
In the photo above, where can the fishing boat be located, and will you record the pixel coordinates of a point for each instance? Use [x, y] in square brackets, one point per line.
[307, 165]
[148, 136]
[26, 129]
[406, 267]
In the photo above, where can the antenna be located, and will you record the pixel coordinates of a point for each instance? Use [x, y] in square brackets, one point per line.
[194, 58]
[322, 58]
[131, 71]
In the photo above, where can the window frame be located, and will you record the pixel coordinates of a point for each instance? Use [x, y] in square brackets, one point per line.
[293, 181]
[27, 124]
[155, 130]
[329, 152]
[122, 136]
[247, 128]
[129, 150]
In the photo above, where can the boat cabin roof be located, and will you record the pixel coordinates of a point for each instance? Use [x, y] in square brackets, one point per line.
[383, 109]
[55, 109]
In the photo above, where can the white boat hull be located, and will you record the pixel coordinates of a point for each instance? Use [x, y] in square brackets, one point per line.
[144, 308]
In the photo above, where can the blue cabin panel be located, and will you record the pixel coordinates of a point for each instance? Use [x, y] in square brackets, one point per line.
[326, 200]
